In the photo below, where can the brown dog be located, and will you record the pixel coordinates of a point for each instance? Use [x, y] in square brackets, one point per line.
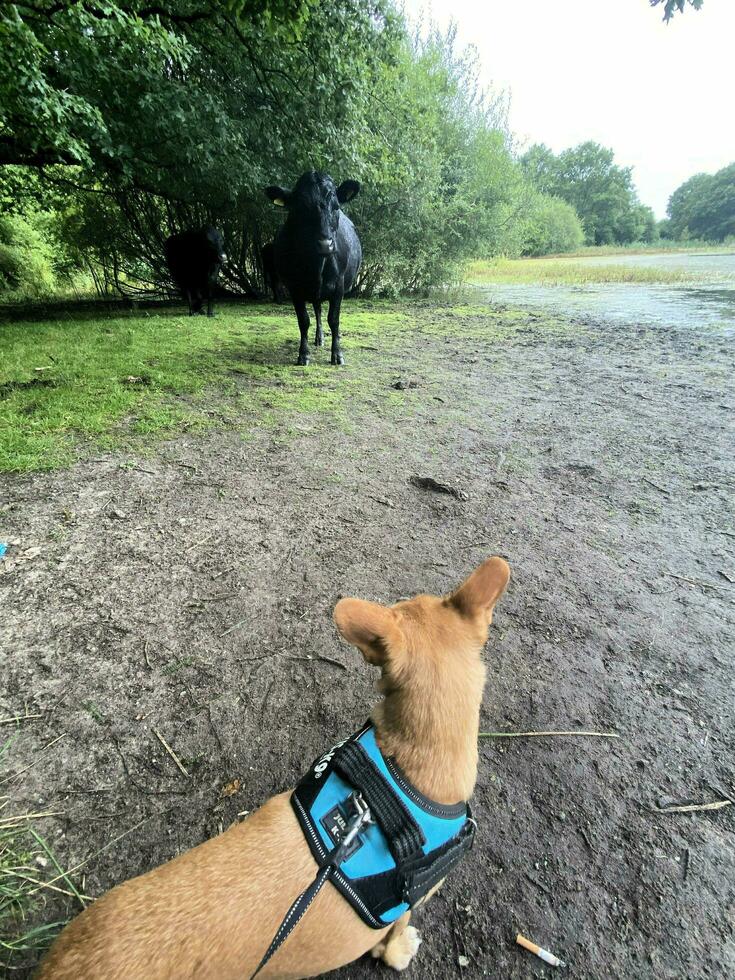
[213, 911]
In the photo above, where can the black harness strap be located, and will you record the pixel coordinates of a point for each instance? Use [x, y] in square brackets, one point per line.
[418, 877]
[295, 914]
[333, 860]
[404, 836]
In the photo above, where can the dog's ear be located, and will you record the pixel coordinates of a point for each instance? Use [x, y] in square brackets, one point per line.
[369, 626]
[478, 594]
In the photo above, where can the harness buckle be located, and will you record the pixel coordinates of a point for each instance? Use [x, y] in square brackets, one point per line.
[361, 817]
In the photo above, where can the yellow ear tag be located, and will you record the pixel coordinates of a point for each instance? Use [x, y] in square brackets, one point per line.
[279, 202]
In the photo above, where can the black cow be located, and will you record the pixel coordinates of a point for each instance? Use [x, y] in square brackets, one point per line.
[194, 260]
[317, 251]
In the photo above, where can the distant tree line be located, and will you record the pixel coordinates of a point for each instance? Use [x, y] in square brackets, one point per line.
[703, 207]
[602, 194]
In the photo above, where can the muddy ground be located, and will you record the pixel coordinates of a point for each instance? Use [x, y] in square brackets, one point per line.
[191, 589]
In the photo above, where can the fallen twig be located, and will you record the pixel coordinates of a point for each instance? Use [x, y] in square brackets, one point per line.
[170, 751]
[197, 543]
[721, 530]
[145, 655]
[330, 660]
[693, 807]
[234, 627]
[546, 734]
[694, 581]
[656, 486]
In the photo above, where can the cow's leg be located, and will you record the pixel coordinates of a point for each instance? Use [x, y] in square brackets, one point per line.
[210, 305]
[335, 304]
[303, 317]
[319, 338]
[190, 301]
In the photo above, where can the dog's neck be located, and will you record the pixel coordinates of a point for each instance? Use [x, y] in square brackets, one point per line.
[433, 738]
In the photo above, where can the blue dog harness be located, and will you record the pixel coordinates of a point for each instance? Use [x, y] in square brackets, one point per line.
[380, 841]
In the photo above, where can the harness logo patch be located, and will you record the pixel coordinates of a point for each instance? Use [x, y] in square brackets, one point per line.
[335, 823]
[323, 763]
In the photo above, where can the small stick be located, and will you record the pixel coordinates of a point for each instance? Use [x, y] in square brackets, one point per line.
[197, 543]
[694, 581]
[693, 807]
[546, 734]
[721, 530]
[656, 486]
[9, 721]
[211, 598]
[145, 654]
[240, 623]
[170, 751]
[542, 953]
[329, 660]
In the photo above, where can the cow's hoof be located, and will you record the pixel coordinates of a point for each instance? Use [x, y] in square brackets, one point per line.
[302, 361]
[337, 359]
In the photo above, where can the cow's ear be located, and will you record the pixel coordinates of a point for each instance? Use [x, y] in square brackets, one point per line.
[347, 190]
[279, 196]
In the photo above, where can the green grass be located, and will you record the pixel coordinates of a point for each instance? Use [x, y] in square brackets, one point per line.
[109, 381]
[235, 371]
[663, 246]
[24, 856]
[558, 272]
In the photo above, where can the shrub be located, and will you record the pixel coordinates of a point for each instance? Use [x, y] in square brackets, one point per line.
[26, 269]
[552, 226]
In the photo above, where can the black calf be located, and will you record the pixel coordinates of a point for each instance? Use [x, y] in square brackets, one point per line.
[317, 252]
[194, 260]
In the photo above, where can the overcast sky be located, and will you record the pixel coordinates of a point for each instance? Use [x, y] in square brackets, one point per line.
[661, 96]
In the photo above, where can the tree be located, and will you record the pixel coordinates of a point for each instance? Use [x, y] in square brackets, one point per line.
[671, 6]
[165, 117]
[704, 206]
[51, 50]
[602, 193]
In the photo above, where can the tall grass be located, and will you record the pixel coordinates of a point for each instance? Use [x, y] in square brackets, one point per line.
[565, 272]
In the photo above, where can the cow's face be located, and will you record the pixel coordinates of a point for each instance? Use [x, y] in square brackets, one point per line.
[314, 208]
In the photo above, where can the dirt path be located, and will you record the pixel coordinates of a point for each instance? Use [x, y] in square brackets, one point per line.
[191, 591]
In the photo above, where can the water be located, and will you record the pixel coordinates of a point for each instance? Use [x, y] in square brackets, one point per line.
[707, 301]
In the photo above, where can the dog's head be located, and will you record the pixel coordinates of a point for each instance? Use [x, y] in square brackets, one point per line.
[432, 675]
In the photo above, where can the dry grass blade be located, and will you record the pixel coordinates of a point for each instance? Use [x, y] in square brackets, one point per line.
[63, 874]
[547, 734]
[10, 721]
[693, 807]
[9, 823]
